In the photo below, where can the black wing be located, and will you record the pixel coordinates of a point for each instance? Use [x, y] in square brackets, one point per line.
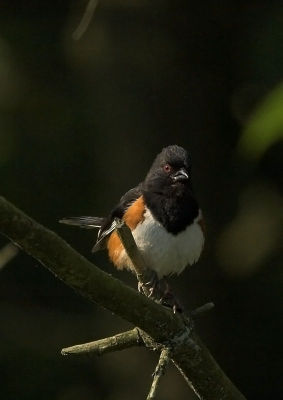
[109, 224]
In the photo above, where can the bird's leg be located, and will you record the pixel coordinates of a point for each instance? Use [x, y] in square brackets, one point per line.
[160, 291]
[151, 288]
[170, 300]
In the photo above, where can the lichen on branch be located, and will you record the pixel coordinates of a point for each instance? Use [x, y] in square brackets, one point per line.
[188, 353]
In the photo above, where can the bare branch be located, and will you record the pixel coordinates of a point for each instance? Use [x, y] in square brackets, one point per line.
[126, 237]
[202, 309]
[7, 253]
[99, 347]
[188, 353]
[85, 21]
[159, 372]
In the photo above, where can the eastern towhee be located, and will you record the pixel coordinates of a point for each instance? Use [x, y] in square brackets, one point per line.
[165, 220]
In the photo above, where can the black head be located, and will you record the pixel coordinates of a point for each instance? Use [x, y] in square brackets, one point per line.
[170, 170]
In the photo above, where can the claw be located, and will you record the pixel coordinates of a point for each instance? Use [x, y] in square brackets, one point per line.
[170, 300]
[140, 287]
[151, 291]
[159, 290]
[149, 288]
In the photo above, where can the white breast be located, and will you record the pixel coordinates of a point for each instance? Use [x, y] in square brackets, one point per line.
[164, 252]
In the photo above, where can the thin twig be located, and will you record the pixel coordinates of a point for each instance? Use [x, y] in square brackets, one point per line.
[159, 372]
[85, 21]
[99, 347]
[202, 309]
[126, 237]
[7, 253]
[129, 243]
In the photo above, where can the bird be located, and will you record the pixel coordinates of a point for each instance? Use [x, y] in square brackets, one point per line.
[165, 220]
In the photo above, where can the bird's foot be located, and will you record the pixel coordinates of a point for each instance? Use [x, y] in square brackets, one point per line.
[150, 287]
[170, 300]
[160, 291]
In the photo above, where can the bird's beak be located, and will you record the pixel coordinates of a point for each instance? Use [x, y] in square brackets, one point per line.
[180, 176]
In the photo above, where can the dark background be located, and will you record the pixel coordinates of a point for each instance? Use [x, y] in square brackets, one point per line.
[80, 123]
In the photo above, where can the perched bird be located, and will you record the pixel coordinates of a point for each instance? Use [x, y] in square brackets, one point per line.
[165, 220]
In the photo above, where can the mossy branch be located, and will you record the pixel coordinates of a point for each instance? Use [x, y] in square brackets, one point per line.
[99, 347]
[188, 353]
[159, 372]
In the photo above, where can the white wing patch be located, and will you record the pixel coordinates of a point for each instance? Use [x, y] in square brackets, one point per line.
[164, 252]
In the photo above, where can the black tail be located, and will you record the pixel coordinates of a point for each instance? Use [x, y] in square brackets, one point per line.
[83, 222]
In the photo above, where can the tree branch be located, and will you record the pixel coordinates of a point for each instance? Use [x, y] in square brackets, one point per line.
[86, 19]
[159, 372]
[7, 253]
[126, 237]
[188, 353]
[113, 343]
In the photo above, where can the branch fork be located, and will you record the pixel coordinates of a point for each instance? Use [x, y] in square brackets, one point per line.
[158, 327]
[137, 337]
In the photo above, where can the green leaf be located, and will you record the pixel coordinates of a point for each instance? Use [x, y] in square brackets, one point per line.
[265, 126]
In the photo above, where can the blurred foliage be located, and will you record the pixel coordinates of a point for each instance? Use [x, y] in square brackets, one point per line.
[258, 221]
[265, 127]
[80, 123]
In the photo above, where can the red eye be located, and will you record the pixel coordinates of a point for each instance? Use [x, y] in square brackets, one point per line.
[167, 168]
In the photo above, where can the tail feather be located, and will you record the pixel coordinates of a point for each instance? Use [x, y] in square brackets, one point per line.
[83, 222]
